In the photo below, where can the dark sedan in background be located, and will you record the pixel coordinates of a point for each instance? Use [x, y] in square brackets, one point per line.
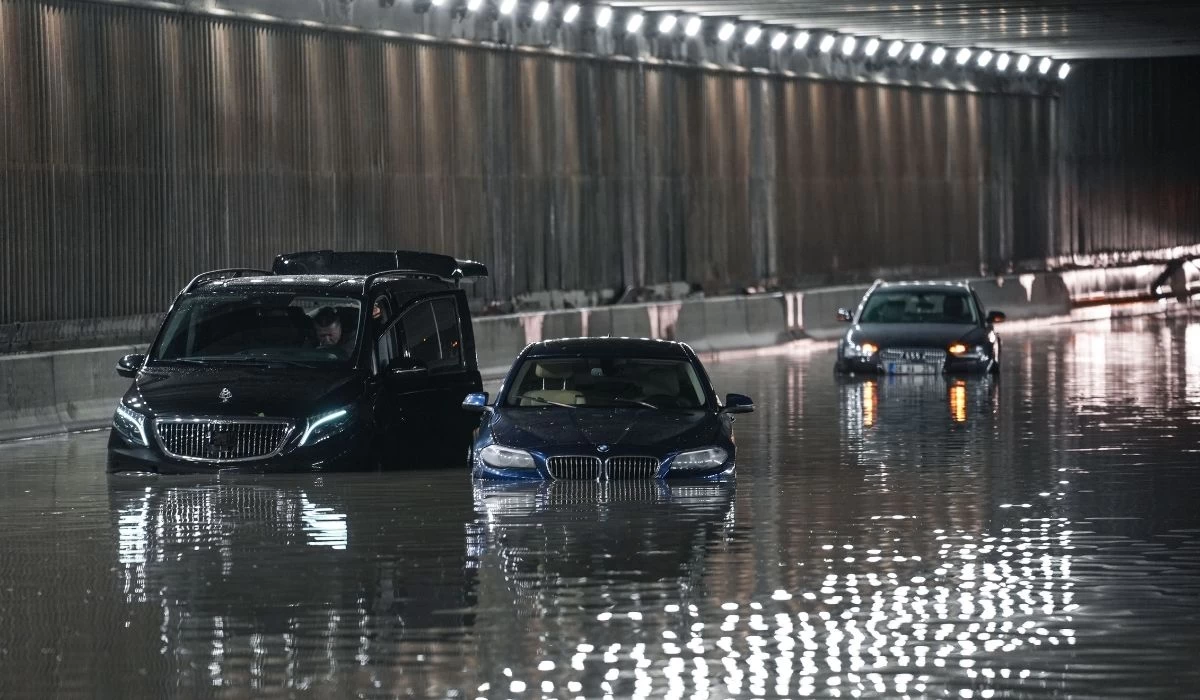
[919, 328]
[605, 408]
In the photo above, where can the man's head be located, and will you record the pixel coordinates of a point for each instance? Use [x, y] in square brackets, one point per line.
[329, 327]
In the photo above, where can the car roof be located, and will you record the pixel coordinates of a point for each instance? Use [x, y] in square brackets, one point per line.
[350, 285]
[925, 286]
[609, 347]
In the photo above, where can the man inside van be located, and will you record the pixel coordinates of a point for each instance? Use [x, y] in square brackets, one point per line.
[329, 331]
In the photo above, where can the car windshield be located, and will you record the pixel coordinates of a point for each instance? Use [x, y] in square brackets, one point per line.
[266, 327]
[606, 382]
[919, 306]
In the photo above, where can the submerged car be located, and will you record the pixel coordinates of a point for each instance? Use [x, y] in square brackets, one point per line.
[329, 360]
[605, 408]
[919, 328]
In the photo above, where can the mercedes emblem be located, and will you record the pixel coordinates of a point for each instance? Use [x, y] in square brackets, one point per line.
[225, 395]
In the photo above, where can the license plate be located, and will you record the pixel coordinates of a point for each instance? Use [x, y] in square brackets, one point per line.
[911, 368]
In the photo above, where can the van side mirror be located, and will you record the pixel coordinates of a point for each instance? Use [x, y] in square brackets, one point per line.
[129, 365]
[844, 316]
[995, 317]
[736, 403]
[407, 365]
[476, 403]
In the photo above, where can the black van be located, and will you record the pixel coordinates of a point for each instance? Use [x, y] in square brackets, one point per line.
[330, 360]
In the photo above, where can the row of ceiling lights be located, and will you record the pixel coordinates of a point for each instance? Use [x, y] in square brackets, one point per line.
[780, 39]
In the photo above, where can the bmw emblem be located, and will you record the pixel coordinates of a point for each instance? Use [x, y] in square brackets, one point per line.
[225, 395]
[602, 448]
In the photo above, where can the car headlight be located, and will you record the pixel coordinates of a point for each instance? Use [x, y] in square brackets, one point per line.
[131, 425]
[325, 425]
[506, 458]
[962, 350]
[700, 459]
[864, 350]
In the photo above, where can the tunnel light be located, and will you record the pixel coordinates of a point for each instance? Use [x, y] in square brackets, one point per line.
[938, 55]
[474, 5]
[634, 22]
[507, 7]
[827, 43]
[778, 41]
[571, 13]
[1002, 62]
[985, 58]
[1023, 63]
[666, 24]
[801, 41]
[540, 11]
[895, 48]
[848, 45]
[1044, 65]
[1064, 70]
[603, 17]
[871, 47]
[726, 31]
[692, 28]
[753, 34]
[962, 56]
[437, 3]
[918, 50]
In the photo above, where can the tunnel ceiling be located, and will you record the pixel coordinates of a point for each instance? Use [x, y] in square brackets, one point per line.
[1062, 28]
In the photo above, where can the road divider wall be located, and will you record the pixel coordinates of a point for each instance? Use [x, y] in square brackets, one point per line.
[53, 392]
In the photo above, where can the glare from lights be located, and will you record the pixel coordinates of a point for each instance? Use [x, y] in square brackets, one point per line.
[753, 34]
[1023, 64]
[938, 55]
[666, 24]
[985, 58]
[634, 22]
[1044, 65]
[918, 50]
[1002, 62]
[436, 3]
[801, 41]
[871, 47]
[571, 13]
[962, 57]
[848, 45]
[895, 48]
[474, 5]
[603, 17]
[778, 41]
[540, 11]
[692, 28]
[726, 31]
[827, 43]
[1064, 70]
[507, 7]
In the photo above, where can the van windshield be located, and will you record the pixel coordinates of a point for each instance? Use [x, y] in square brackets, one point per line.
[274, 327]
[606, 382]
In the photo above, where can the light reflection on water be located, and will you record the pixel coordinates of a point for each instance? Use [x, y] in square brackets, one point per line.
[1032, 535]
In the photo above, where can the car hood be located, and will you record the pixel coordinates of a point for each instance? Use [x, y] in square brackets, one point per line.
[253, 391]
[916, 334]
[624, 430]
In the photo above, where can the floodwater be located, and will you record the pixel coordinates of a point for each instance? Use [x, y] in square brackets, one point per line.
[1033, 536]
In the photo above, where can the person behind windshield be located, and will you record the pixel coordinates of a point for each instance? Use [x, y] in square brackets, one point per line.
[329, 331]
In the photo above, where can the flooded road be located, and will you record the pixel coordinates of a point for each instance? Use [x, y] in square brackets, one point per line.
[1033, 536]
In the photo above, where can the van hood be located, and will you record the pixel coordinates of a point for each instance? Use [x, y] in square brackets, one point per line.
[284, 392]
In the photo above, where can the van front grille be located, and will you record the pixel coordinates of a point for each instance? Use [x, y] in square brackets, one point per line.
[221, 440]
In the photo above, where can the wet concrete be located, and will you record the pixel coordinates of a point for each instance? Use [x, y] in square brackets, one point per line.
[1038, 535]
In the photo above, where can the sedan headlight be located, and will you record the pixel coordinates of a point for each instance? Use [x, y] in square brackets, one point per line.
[506, 458]
[978, 352]
[131, 425]
[863, 350]
[700, 459]
[325, 425]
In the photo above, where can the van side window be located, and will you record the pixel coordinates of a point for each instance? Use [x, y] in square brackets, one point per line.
[386, 346]
[432, 334]
[449, 332]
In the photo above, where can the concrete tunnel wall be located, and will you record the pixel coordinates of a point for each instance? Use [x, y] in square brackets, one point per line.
[53, 392]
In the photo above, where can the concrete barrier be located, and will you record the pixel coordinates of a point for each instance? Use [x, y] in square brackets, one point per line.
[51, 392]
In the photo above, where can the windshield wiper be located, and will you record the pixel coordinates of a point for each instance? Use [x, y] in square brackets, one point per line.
[639, 403]
[244, 359]
[545, 401]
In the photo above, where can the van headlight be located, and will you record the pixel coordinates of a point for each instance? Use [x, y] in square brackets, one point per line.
[700, 459]
[506, 458]
[131, 425]
[325, 425]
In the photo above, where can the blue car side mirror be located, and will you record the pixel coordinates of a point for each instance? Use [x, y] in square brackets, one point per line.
[736, 403]
[476, 403]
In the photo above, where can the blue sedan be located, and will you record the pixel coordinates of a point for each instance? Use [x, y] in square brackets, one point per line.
[605, 408]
